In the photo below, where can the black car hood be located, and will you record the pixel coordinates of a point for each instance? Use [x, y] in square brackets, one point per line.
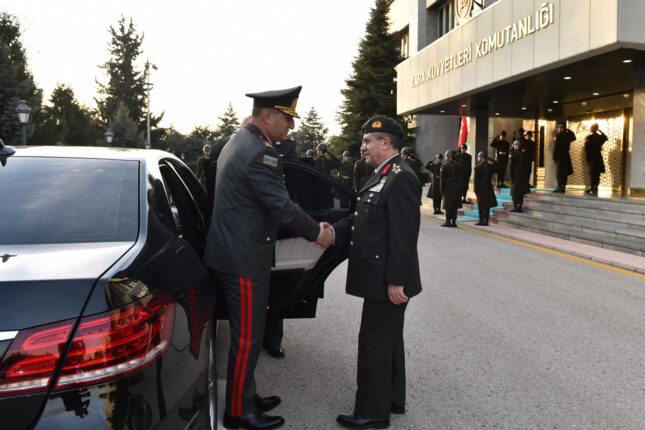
[41, 284]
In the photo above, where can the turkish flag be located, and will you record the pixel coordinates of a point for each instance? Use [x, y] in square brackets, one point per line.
[463, 132]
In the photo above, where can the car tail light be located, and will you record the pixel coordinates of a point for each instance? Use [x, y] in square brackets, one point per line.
[105, 346]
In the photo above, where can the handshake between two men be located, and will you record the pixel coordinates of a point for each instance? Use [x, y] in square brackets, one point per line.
[326, 237]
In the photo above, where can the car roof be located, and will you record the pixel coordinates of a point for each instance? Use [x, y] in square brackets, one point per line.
[99, 152]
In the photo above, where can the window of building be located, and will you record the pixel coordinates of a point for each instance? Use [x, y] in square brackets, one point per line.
[446, 18]
[405, 44]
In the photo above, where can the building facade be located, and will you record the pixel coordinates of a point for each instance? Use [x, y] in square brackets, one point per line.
[510, 64]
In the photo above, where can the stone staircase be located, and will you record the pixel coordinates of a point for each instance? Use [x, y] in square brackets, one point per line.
[617, 223]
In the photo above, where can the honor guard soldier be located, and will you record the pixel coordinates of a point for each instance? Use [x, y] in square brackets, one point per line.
[434, 192]
[362, 172]
[502, 149]
[531, 149]
[383, 269]
[451, 188]
[561, 156]
[484, 190]
[593, 154]
[251, 201]
[519, 183]
[346, 171]
[322, 162]
[465, 161]
[202, 163]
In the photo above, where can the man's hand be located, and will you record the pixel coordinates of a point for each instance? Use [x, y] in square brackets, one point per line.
[396, 294]
[326, 237]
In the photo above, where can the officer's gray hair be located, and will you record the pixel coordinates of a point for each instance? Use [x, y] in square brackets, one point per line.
[255, 113]
[395, 142]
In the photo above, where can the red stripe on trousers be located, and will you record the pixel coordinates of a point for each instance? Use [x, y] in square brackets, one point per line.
[237, 396]
[249, 339]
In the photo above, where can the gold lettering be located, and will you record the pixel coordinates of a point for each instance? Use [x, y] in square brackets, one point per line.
[531, 30]
[506, 33]
[514, 33]
[523, 29]
[544, 15]
[492, 42]
[500, 39]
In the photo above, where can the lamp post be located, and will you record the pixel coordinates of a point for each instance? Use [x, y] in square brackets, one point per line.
[23, 111]
[109, 135]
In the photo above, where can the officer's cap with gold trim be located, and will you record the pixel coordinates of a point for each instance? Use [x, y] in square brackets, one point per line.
[283, 100]
[383, 124]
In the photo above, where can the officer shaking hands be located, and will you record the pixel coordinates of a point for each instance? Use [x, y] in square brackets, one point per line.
[251, 201]
[383, 269]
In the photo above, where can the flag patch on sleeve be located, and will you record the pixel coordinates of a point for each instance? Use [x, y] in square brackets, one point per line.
[270, 161]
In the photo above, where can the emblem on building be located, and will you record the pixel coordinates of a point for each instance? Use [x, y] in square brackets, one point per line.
[463, 10]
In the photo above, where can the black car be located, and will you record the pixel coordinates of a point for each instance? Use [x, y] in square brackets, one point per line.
[108, 314]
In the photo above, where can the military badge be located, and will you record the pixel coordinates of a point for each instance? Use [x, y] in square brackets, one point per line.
[367, 209]
[386, 169]
[270, 161]
[378, 187]
[376, 124]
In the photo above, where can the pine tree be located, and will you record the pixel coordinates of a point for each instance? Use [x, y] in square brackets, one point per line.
[65, 121]
[126, 84]
[126, 132]
[228, 123]
[16, 83]
[371, 89]
[310, 132]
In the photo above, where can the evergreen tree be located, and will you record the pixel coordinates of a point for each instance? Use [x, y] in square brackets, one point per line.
[66, 121]
[126, 132]
[228, 123]
[310, 132]
[371, 89]
[16, 83]
[126, 84]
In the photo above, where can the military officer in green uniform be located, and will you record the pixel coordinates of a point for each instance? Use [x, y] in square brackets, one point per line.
[251, 201]
[451, 189]
[383, 269]
[484, 190]
[561, 156]
[502, 149]
[465, 161]
[517, 169]
[346, 171]
[434, 192]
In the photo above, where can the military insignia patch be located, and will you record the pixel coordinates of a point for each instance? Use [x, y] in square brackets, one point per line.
[376, 124]
[270, 161]
[378, 187]
[386, 169]
[367, 209]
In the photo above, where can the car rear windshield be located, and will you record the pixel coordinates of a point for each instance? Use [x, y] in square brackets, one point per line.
[68, 200]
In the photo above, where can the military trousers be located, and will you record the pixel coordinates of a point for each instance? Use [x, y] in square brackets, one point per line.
[484, 214]
[451, 214]
[273, 333]
[381, 360]
[246, 301]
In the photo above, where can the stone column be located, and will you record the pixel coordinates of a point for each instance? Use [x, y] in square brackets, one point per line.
[635, 174]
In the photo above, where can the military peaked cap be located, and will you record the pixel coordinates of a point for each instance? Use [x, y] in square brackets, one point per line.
[283, 100]
[383, 124]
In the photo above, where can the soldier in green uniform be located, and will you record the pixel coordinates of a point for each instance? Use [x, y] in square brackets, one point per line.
[561, 156]
[502, 149]
[465, 161]
[517, 169]
[346, 171]
[484, 190]
[251, 202]
[593, 154]
[451, 189]
[434, 192]
[362, 172]
[383, 269]
[324, 163]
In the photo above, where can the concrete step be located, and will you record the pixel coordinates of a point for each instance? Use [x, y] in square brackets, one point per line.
[624, 241]
[630, 206]
[628, 220]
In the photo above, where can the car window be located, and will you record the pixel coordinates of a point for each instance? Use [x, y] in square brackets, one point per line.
[68, 200]
[188, 217]
[314, 192]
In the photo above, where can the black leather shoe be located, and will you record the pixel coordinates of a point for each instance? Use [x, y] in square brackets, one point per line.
[274, 352]
[397, 409]
[266, 403]
[446, 224]
[257, 421]
[453, 225]
[354, 422]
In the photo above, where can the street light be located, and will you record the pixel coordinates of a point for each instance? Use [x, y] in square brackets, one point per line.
[109, 135]
[23, 111]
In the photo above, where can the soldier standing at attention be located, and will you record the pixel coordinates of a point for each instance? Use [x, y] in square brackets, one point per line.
[593, 154]
[362, 172]
[434, 192]
[531, 150]
[451, 187]
[251, 201]
[465, 161]
[202, 163]
[517, 168]
[346, 171]
[383, 269]
[561, 156]
[484, 190]
[502, 148]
